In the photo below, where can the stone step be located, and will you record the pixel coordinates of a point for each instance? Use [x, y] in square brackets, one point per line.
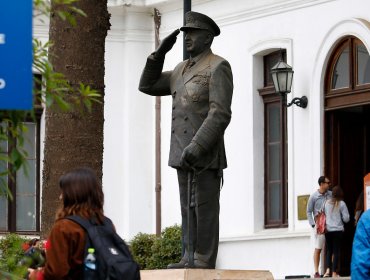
[218, 274]
[205, 274]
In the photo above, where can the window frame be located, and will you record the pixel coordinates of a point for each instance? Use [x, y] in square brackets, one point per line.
[12, 184]
[354, 94]
[270, 97]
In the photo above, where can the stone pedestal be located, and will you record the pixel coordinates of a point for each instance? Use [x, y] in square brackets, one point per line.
[205, 274]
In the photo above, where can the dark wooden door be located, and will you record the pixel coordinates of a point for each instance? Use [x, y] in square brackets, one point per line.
[347, 157]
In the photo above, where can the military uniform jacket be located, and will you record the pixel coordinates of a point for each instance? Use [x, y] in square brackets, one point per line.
[201, 105]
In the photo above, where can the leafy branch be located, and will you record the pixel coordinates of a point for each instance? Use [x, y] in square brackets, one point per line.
[66, 11]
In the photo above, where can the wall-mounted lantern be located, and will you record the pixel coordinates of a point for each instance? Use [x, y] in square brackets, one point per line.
[282, 77]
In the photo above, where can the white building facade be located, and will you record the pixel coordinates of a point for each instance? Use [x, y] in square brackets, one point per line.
[260, 225]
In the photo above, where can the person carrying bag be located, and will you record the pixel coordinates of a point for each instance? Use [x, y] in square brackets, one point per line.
[320, 220]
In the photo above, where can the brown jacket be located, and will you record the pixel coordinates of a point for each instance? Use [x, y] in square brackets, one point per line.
[201, 104]
[64, 257]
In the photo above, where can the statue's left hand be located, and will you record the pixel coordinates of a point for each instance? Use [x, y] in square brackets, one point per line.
[190, 155]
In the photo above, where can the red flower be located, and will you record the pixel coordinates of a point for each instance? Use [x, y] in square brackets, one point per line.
[25, 246]
[40, 275]
[47, 245]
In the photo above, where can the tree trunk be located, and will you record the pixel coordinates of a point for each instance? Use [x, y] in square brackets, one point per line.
[74, 139]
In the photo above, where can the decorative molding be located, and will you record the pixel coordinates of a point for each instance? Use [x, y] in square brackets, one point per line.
[234, 16]
[267, 10]
[359, 28]
[130, 36]
[127, 3]
[261, 49]
[268, 234]
[123, 10]
[131, 24]
[265, 47]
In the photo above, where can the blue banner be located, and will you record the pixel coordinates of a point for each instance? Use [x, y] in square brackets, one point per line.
[16, 55]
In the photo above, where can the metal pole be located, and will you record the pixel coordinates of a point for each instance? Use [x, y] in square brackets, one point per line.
[158, 179]
[187, 8]
[190, 208]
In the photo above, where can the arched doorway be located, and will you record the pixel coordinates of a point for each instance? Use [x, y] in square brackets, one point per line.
[347, 127]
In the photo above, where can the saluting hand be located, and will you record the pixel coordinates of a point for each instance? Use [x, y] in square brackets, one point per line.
[167, 43]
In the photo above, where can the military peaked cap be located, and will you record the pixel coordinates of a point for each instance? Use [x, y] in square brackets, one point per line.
[194, 20]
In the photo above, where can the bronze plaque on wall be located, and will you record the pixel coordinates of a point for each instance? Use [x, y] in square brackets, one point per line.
[302, 206]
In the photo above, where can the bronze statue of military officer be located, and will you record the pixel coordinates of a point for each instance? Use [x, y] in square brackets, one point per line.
[201, 88]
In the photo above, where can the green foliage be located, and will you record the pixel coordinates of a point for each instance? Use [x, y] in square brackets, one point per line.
[12, 130]
[66, 10]
[153, 252]
[166, 249]
[54, 88]
[11, 253]
[141, 248]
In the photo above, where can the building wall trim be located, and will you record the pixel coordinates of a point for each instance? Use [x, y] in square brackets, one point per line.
[357, 27]
[267, 234]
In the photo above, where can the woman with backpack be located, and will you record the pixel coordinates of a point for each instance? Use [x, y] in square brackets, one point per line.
[82, 195]
[336, 212]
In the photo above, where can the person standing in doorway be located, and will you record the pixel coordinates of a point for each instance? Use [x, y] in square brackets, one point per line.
[201, 88]
[315, 204]
[336, 212]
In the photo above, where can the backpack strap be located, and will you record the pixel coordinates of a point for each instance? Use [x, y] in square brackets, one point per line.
[92, 233]
[87, 224]
[323, 205]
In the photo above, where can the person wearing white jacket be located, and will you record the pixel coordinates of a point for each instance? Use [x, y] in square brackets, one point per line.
[336, 212]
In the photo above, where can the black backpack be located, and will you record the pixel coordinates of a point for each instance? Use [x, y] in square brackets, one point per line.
[113, 258]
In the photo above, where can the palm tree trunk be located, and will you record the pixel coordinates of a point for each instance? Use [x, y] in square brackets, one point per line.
[74, 139]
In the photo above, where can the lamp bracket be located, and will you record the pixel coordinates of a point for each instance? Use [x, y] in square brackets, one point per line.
[299, 101]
